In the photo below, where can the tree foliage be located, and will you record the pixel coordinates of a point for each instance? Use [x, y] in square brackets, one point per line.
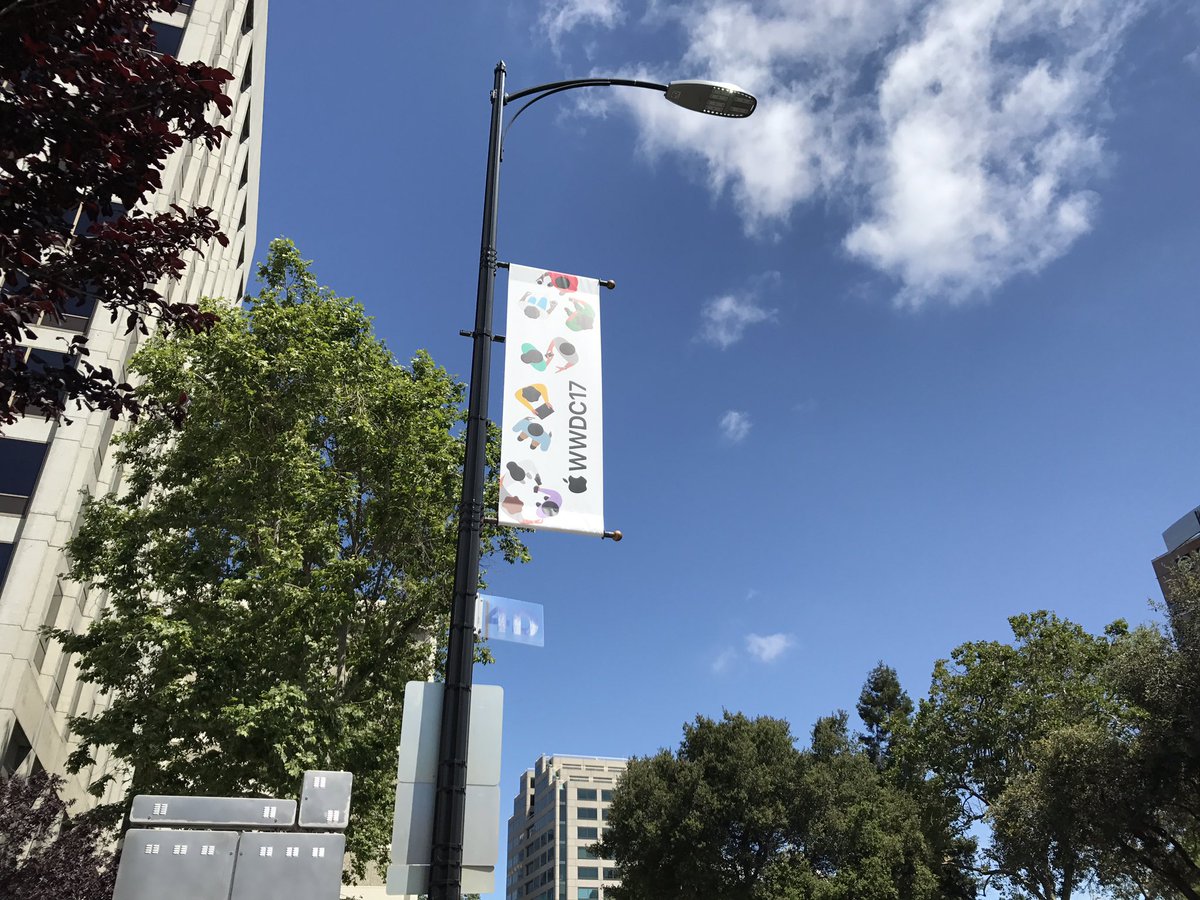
[44, 853]
[279, 567]
[739, 812]
[88, 117]
[994, 714]
[884, 708]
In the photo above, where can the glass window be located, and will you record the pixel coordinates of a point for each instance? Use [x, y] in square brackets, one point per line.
[586, 812]
[604, 815]
[586, 834]
[589, 873]
[586, 793]
[167, 38]
[606, 796]
[612, 874]
[588, 893]
[16, 752]
[50, 620]
[20, 463]
[5, 555]
[585, 853]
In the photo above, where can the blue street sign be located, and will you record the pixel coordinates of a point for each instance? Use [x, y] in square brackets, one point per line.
[503, 619]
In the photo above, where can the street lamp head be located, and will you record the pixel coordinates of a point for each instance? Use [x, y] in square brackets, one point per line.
[713, 98]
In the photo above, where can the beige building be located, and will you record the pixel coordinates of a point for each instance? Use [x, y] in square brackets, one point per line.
[558, 814]
[44, 468]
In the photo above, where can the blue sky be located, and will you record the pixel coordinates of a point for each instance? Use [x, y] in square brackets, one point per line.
[911, 350]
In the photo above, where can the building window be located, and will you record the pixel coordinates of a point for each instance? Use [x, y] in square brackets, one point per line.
[20, 465]
[589, 873]
[612, 874]
[604, 815]
[588, 834]
[245, 135]
[40, 362]
[60, 678]
[586, 812]
[588, 893]
[48, 621]
[248, 18]
[586, 793]
[16, 752]
[167, 38]
[5, 557]
[245, 173]
[248, 75]
[242, 254]
[606, 796]
[586, 853]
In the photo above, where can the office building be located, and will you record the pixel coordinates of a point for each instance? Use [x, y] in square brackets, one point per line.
[558, 815]
[44, 468]
[1183, 542]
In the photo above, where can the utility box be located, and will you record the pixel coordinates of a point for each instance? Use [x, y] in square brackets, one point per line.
[296, 865]
[325, 800]
[182, 865]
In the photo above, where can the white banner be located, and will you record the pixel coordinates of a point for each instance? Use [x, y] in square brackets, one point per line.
[550, 459]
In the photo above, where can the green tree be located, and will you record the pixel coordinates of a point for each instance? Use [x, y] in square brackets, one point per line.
[1136, 776]
[739, 813]
[885, 709]
[860, 837]
[279, 567]
[994, 713]
[710, 820]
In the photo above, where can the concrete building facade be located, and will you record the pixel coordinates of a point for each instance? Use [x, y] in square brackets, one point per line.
[45, 468]
[559, 812]
[1183, 543]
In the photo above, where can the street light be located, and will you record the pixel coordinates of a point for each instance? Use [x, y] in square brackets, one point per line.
[445, 877]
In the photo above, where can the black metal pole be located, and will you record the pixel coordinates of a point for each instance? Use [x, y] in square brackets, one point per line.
[449, 814]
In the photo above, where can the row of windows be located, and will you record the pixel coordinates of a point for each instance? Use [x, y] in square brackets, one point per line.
[592, 873]
[590, 794]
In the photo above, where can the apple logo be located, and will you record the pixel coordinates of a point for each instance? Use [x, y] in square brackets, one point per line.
[576, 483]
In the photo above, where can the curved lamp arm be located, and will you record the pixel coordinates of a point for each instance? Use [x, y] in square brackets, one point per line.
[557, 87]
[710, 97]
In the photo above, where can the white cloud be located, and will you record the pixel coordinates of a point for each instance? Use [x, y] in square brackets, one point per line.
[735, 425]
[724, 660]
[768, 647]
[962, 136]
[561, 16]
[724, 320]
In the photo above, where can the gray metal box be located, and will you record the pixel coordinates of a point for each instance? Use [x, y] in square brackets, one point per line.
[180, 865]
[248, 812]
[295, 866]
[325, 800]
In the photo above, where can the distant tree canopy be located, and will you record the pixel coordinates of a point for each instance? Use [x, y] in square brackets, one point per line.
[88, 117]
[739, 812]
[1076, 756]
[279, 567]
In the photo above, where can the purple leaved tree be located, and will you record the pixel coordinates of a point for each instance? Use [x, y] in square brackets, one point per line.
[89, 115]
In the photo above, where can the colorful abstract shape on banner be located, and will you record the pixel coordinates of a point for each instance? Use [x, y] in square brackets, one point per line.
[550, 458]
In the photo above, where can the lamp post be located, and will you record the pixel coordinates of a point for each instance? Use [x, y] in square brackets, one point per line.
[445, 880]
